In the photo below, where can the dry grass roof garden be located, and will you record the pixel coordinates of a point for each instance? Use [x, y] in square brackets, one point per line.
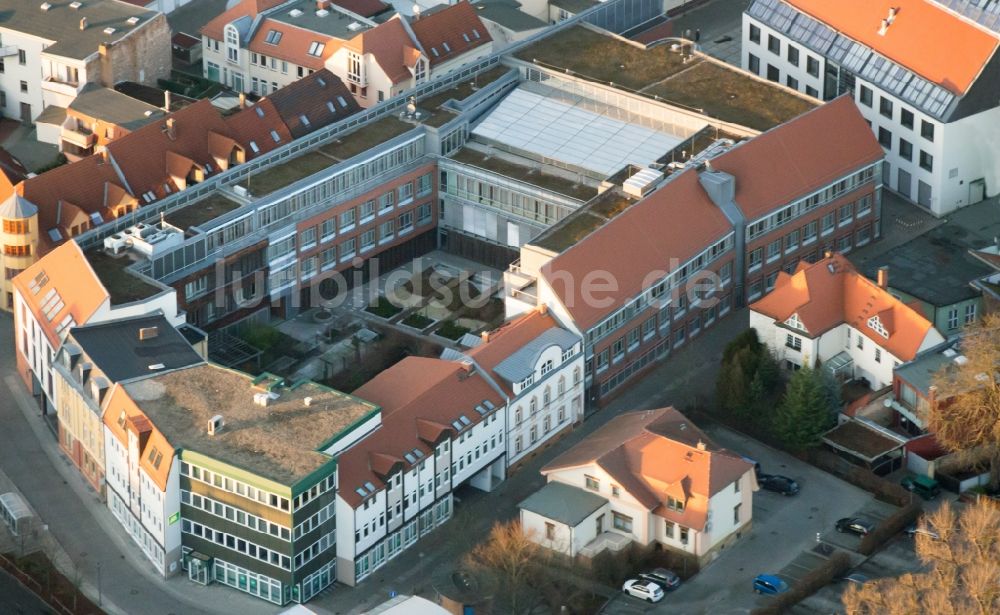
[277, 442]
[713, 88]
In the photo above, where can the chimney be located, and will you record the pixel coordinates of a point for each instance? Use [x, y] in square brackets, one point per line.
[883, 27]
[148, 333]
[827, 253]
[892, 14]
[485, 335]
[883, 277]
[243, 100]
[102, 155]
[701, 445]
[466, 371]
[322, 4]
[166, 101]
[169, 129]
[543, 308]
[83, 23]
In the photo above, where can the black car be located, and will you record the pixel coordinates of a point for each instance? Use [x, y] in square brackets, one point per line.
[778, 484]
[667, 579]
[855, 525]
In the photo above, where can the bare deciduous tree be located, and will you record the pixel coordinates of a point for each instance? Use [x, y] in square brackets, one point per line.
[964, 566]
[967, 422]
[515, 562]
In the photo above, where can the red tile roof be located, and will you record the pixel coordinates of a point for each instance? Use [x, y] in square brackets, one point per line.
[831, 292]
[250, 126]
[675, 222]
[420, 398]
[924, 37]
[64, 272]
[391, 47]
[321, 97]
[508, 339]
[797, 158]
[294, 44]
[457, 26]
[653, 454]
[250, 8]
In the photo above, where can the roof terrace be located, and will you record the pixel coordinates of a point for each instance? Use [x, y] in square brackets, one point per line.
[700, 84]
[528, 174]
[123, 285]
[201, 211]
[279, 441]
[439, 114]
[584, 221]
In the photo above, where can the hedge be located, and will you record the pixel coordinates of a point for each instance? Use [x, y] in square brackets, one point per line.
[891, 526]
[884, 490]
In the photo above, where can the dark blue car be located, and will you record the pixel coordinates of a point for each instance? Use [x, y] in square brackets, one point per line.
[769, 584]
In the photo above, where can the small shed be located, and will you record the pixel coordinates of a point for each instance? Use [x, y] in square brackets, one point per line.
[16, 514]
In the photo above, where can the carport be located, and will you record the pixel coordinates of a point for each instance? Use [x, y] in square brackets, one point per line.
[868, 445]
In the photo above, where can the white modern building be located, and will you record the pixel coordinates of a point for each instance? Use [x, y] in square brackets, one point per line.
[647, 477]
[924, 73]
[828, 314]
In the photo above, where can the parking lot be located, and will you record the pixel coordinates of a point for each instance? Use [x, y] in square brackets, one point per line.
[783, 527]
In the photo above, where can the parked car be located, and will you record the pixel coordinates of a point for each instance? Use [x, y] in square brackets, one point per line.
[778, 484]
[855, 525]
[924, 486]
[913, 529]
[769, 584]
[666, 579]
[645, 590]
[856, 577]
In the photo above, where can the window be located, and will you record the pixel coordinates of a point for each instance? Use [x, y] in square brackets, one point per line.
[616, 491]
[812, 66]
[592, 483]
[846, 213]
[773, 44]
[773, 250]
[809, 232]
[828, 223]
[885, 107]
[793, 55]
[621, 522]
[884, 138]
[668, 529]
[953, 318]
[906, 117]
[24, 86]
[792, 82]
[754, 64]
[754, 33]
[15, 227]
[316, 49]
[970, 313]
[550, 531]
[736, 514]
[861, 342]
[905, 149]
[927, 130]
[926, 161]
[794, 342]
[675, 504]
[773, 74]
[878, 355]
[684, 535]
[22, 57]
[755, 258]
[811, 91]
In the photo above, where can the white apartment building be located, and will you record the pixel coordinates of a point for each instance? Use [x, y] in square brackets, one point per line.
[826, 313]
[924, 76]
[142, 480]
[50, 50]
[443, 426]
[647, 477]
[262, 47]
[539, 366]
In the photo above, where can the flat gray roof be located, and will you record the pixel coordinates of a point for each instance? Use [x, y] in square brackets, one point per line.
[61, 23]
[922, 371]
[508, 14]
[334, 24]
[563, 503]
[114, 107]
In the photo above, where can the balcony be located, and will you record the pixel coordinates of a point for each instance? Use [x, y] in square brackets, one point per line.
[81, 137]
[62, 87]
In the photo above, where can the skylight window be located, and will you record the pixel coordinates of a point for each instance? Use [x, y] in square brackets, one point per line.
[316, 49]
[435, 52]
[465, 420]
[273, 37]
[475, 34]
[343, 103]
[304, 120]
[446, 47]
[274, 135]
[329, 105]
[369, 486]
[259, 110]
[465, 37]
[321, 82]
[489, 405]
[456, 425]
[360, 491]
[419, 453]
[254, 147]
[410, 459]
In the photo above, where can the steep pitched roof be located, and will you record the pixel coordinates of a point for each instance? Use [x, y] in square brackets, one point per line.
[61, 290]
[391, 47]
[653, 454]
[293, 43]
[253, 126]
[504, 342]
[245, 8]
[799, 157]
[421, 398]
[831, 292]
[321, 98]
[924, 36]
[676, 221]
[449, 32]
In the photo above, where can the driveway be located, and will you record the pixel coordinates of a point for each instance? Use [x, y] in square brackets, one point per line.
[783, 527]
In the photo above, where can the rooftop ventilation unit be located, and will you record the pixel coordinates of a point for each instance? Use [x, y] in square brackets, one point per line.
[308, 401]
[148, 333]
[215, 424]
[642, 183]
[157, 367]
[75, 5]
[294, 13]
[354, 26]
[45, 6]
[322, 13]
[109, 30]
[132, 21]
